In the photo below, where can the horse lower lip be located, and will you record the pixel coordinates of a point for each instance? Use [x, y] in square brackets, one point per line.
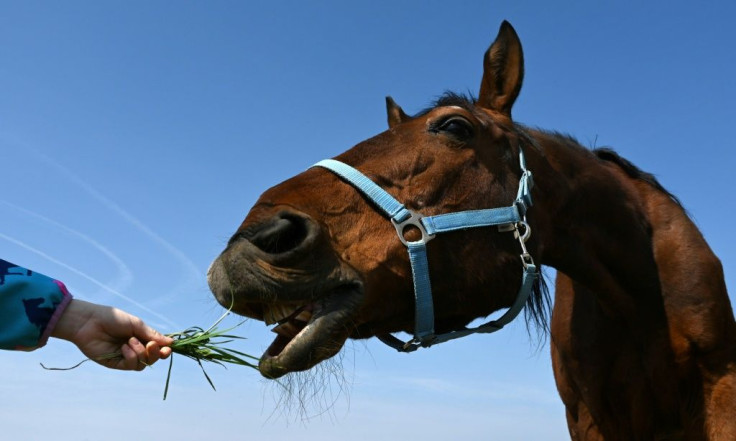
[278, 345]
[278, 360]
[300, 345]
[286, 332]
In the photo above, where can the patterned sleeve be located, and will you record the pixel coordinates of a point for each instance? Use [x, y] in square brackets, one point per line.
[30, 306]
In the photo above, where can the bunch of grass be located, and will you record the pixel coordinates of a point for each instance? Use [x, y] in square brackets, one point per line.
[208, 346]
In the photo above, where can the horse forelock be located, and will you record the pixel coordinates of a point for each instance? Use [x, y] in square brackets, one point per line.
[449, 98]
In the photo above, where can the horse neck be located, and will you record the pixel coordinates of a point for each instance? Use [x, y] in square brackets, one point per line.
[693, 284]
[591, 225]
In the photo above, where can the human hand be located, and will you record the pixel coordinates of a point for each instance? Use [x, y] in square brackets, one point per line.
[99, 331]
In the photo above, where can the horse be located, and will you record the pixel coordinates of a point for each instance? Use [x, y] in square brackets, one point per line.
[597, 368]
[444, 218]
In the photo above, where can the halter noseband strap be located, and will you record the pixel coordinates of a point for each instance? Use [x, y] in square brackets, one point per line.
[507, 219]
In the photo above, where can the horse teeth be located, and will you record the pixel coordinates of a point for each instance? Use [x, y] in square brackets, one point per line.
[284, 311]
[287, 329]
[276, 313]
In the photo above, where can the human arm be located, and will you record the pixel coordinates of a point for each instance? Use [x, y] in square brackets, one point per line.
[34, 307]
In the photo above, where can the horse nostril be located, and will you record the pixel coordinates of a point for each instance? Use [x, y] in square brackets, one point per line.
[282, 233]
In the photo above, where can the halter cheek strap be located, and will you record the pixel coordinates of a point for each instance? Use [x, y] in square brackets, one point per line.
[507, 219]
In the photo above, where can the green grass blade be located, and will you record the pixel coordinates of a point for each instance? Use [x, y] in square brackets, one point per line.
[168, 376]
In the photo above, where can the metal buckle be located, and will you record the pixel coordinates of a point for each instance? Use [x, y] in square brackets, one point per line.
[414, 220]
[522, 237]
[526, 258]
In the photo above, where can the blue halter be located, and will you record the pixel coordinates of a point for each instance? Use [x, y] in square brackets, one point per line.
[507, 219]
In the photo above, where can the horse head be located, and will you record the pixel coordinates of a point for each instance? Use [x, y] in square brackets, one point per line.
[315, 257]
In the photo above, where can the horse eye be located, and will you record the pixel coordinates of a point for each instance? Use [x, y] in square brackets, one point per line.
[456, 126]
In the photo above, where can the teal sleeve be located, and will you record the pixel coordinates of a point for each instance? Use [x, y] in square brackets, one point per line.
[30, 306]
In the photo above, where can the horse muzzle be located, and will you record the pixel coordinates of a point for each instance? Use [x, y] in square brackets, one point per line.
[282, 270]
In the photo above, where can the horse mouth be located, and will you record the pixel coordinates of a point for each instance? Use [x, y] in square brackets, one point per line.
[308, 333]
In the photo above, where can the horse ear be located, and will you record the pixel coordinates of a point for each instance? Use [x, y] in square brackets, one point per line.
[503, 71]
[395, 113]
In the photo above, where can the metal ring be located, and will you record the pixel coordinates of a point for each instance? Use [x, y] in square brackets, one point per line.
[414, 220]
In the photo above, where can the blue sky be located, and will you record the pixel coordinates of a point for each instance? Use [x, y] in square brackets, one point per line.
[134, 138]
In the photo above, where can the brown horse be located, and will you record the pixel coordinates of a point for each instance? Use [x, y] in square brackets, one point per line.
[597, 366]
[320, 259]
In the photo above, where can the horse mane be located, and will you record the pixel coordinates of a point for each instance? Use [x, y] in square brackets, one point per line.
[607, 154]
[634, 172]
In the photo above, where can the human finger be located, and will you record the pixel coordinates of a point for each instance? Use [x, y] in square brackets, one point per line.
[154, 352]
[166, 352]
[130, 360]
[146, 333]
[160, 352]
[140, 354]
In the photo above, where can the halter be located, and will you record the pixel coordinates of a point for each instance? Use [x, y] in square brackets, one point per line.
[507, 219]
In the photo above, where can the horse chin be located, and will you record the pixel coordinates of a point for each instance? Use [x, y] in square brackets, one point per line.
[311, 333]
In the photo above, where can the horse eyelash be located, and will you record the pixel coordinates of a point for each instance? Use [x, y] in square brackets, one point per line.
[436, 126]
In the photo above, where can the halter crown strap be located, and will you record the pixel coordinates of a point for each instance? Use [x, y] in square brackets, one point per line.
[401, 217]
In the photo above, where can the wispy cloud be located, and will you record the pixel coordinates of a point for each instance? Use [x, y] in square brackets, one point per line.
[192, 275]
[124, 275]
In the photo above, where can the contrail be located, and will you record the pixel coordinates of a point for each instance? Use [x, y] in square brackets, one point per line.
[87, 277]
[194, 276]
[125, 277]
